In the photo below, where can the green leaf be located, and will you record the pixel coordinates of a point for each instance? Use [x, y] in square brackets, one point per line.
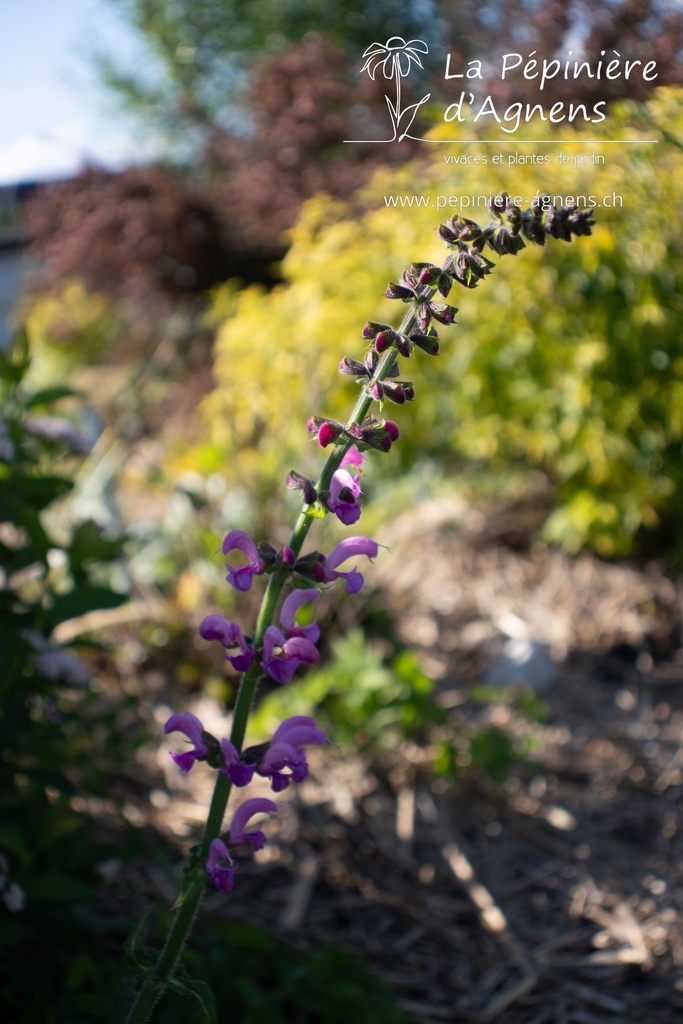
[202, 996]
[88, 545]
[46, 396]
[40, 491]
[135, 951]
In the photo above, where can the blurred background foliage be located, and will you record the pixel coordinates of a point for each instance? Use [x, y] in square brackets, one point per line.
[575, 367]
[200, 308]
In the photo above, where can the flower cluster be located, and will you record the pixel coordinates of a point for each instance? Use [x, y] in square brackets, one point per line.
[287, 645]
[344, 494]
[281, 760]
[505, 235]
[223, 877]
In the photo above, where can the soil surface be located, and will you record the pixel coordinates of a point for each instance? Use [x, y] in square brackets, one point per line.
[554, 895]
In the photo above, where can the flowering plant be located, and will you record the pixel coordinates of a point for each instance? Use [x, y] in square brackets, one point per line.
[277, 650]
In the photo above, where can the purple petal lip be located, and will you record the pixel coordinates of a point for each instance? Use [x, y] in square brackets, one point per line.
[241, 578]
[215, 627]
[282, 656]
[352, 458]
[238, 540]
[239, 774]
[283, 755]
[190, 726]
[346, 513]
[350, 547]
[222, 878]
[298, 731]
[300, 649]
[184, 761]
[247, 810]
[293, 602]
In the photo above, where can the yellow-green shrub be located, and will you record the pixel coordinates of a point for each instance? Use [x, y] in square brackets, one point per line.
[568, 359]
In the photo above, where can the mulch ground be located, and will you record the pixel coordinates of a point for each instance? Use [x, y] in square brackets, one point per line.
[554, 896]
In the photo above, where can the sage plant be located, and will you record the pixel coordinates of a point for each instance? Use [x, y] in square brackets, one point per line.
[278, 645]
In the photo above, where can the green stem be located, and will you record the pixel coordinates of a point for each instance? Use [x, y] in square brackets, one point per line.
[154, 986]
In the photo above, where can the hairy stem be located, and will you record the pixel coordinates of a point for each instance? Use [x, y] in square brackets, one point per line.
[154, 987]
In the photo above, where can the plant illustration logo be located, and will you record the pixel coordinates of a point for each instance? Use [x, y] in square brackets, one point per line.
[395, 59]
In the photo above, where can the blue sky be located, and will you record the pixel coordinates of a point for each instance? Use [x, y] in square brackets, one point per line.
[54, 115]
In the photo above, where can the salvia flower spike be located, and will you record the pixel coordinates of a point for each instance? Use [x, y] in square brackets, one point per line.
[279, 645]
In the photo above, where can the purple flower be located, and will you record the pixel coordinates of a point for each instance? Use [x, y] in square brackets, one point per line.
[353, 457]
[344, 497]
[282, 657]
[284, 752]
[222, 878]
[240, 774]
[244, 812]
[290, 607]
[343, 551]
[238, 540]
[345, 491]
[190, 726]
[229, 635]
[283, 652]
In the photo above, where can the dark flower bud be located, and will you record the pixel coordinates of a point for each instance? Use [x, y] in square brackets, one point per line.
[393, 370]
[379, 434]
[442, 312]
[581, 222]
[403, 345]
[297, 482]
[429, 273]
[311, 566]
[429, 343]
[384, 340]
[326, 435]
[513, 216]
[371, 361]
[394, 392]
[371, 328]
[444, 284]
[352, 368]
[470, 231]
[503, 241]
[287, 556]
[449, 236]
[398, 291]
[471, 267]
[496, 205]
[377, 390]
[533, 230]
[267, 552]
[326, 430]
[423, 315]
[409, 276]
[399, 391]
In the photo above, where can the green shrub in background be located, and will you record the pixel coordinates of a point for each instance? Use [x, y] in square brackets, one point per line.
[52, 723]
[576, 367]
